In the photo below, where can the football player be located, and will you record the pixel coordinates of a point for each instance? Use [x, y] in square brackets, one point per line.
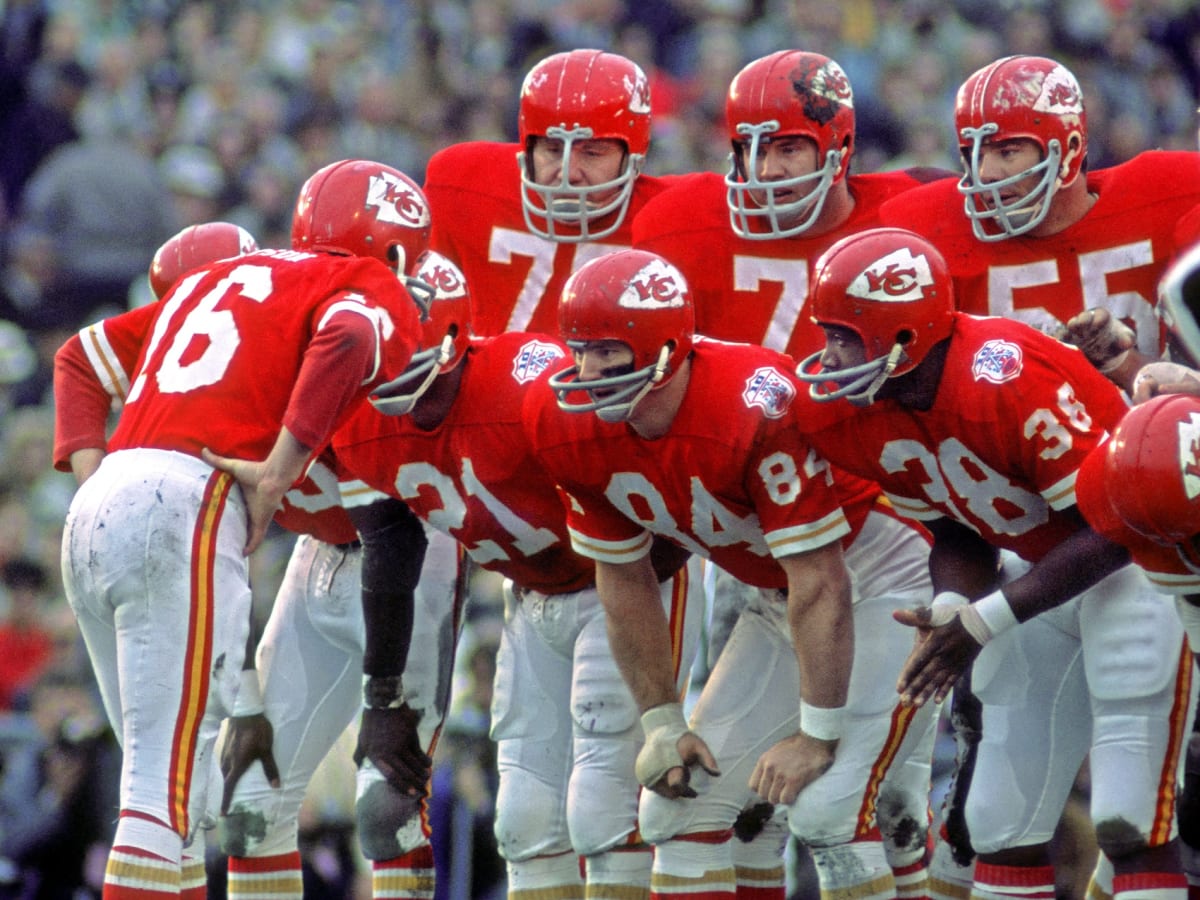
[453, 449]
[746, 243]
[1074, 649]
[696, 441]
[258, 357]
[519, 218]
[1030, 234]
[285, 722]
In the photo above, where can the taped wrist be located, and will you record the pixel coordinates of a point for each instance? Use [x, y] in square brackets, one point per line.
[946, 605]
[663, 726]
[1115, 363]
[987, 617]
[249, 700]
[383, 692]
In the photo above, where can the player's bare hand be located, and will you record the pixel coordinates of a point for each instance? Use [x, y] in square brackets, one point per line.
[248, 740]
[693, 752]
[790, 766]
[389, 738]
[1165, 378]
[1101, 336]
[263, 498]
[939, 657]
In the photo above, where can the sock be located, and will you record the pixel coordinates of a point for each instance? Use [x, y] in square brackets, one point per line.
[698, 865]
[193, 879]
[265, 877]
[947, 879]
[409, 876]
[855, 871]
[910, 871]
[994, 882]
[1150, 886]
[134, 874]
[758, 865]
[546, 878]
[144, 862]
[619, 874]
[1100, 885]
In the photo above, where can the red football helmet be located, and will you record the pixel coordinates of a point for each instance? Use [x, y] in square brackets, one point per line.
[195, 246]
[892, 288]
[787, 93]
[1152, 469]
[1179, 306]
[639, 299]
[363, 208]
[445, 334]
[1019, 97]
[577, 96]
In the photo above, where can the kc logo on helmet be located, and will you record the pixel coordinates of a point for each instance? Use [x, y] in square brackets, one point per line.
[444, 278]
[396, 201]
[997, 361]
[899, 277]
[770, 391]
[1189, 455]
[657, 285]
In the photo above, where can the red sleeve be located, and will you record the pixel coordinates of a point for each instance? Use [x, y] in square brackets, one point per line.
[337, 362]
[81, 404]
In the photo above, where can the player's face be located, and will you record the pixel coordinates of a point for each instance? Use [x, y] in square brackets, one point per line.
[591, 162]
[1004, 159]
[844, 349]
[787, 156]
[603, 359]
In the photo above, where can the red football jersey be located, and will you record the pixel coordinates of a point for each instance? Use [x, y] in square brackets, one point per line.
[92, 373]
[1111, 258]
[1015, 414]
[734, 480]
[515, 277]
[750, 290]
[1164, 565]
[276, 338]
[474, 476]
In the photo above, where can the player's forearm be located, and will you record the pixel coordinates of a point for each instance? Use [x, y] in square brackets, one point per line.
[85, 462]
[1076, 564]
[284, 465]
[393, 552]
[638, 631]
[822, 626]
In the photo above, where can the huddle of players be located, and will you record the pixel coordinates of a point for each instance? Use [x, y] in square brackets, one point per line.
[597, 493]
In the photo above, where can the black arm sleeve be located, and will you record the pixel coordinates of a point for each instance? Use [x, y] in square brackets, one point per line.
[393, 550]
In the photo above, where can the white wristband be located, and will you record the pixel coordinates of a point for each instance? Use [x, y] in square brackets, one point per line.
[822, 722]
[988, 617]
[249, 700]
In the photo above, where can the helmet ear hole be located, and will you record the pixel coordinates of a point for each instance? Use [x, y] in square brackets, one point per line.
[904, 337]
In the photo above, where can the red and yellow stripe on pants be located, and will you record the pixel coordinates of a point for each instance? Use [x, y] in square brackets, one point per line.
[198, 649]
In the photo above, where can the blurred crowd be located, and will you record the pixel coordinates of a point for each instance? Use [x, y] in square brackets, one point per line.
[122, 121]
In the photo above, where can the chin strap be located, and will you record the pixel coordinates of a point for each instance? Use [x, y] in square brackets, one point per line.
[867, 397]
